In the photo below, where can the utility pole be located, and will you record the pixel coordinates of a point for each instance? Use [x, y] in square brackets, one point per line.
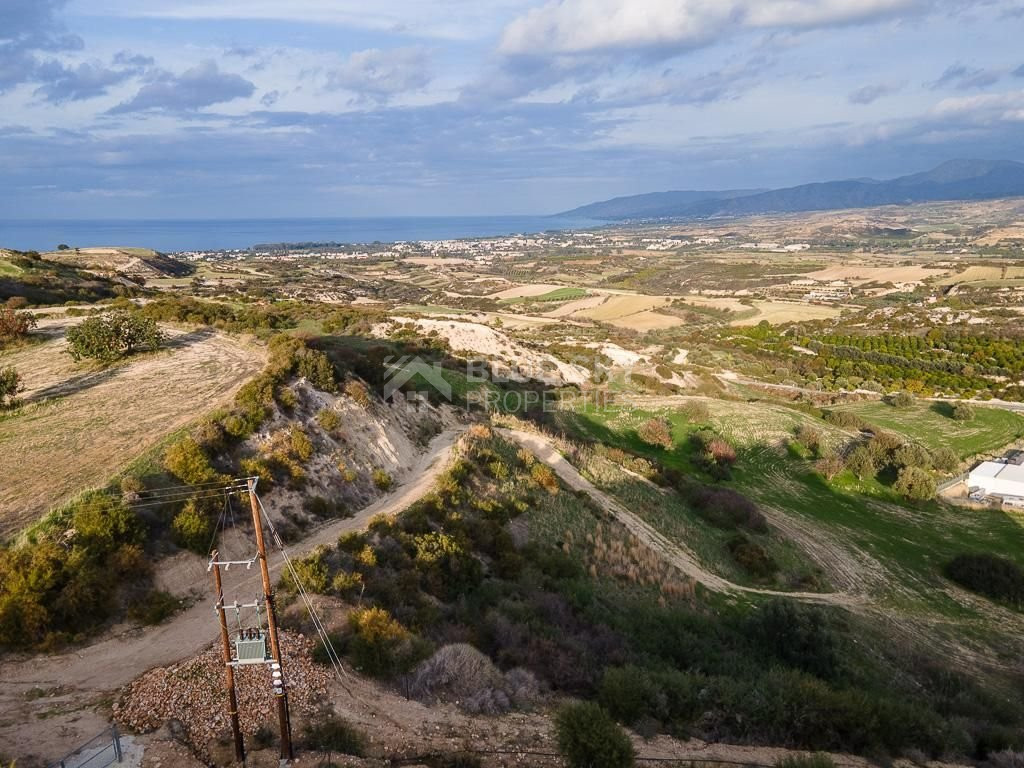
[236, 729]
[280, 692]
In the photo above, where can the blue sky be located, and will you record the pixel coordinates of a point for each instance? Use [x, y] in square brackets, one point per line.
[252, 108]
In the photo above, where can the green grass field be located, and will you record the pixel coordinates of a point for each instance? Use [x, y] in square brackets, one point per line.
[9, 269]
[928, 424]
[899, 549]
[559, 294]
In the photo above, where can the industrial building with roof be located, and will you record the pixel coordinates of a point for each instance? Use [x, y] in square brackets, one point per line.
[1002, 479]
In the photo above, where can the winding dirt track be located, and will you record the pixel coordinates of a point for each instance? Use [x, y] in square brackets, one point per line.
[89, 674]
[67, 714]
[676, 554]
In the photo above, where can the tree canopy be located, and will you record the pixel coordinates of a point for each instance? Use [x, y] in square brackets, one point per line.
[111, 337]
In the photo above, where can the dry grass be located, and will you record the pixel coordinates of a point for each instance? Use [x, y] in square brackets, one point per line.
[612, 551]
[647, 321]
[788, 312]
[81, 425]
[619, 306]
[525, 291]
[862, 274]
[975, 274]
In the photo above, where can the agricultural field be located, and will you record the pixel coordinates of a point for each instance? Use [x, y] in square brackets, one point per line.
[84, 423]
[559, 294]
[931, 424]
[780, 312]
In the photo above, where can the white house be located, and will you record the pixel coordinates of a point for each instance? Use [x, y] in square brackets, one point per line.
[1004, 478]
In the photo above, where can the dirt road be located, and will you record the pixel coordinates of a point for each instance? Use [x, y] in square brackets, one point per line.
[47, 702]
[676, 554]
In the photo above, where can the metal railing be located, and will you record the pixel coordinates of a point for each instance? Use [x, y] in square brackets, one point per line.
[945, 486]
[100, 751]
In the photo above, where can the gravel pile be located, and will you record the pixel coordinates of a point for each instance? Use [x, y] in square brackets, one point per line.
[193, 692]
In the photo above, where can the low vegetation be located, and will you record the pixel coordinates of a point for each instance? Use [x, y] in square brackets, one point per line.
[448, 567]
[589, 738]
[72, 573]
[10, 386]
[990, 575]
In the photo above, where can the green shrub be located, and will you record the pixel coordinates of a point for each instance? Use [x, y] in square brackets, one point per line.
[912, 455]
[376, 641]
[697, 412]
[328, 419]
[301, 445]
[797, 635]
[332, 734]
[860, 462]
[10, 385]
[382, 479]
[187, 462]
[628, 693]
[806, 761]
[312, 572]
[915, 484]
[63, 585]
[317, 369]
[588, 737]
[192, 528]
[990, 575]
[945, 459]
[752, 557]
[844, 419]
[901, 400]
[963, 412]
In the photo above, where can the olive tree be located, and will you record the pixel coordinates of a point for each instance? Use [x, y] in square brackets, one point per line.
[111, 337]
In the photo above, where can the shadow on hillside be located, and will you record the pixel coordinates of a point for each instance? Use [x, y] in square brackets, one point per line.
[89, 379]
[73, 385]
[188, 339]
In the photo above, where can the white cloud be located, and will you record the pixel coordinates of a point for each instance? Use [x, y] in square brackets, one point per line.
[577, 26]
[985, 109]
[378, 74]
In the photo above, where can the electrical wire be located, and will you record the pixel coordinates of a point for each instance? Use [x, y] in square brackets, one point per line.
[332, 653]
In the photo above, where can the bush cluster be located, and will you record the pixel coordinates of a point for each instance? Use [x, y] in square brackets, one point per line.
[989, 575]
[66, 582]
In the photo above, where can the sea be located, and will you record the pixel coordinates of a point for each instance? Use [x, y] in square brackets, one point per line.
[175, 235]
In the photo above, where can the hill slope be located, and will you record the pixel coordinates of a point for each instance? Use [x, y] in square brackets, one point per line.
[129, 262]
[653, 204]
[953, 180]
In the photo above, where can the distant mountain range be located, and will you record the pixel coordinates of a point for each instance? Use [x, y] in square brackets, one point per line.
[953, 180]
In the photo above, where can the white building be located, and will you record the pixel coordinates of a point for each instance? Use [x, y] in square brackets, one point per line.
[1003, 478]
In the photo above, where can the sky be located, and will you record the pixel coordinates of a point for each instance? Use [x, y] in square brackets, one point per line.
[295, 108]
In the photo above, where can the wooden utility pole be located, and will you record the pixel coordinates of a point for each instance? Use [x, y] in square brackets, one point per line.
[236, 729]
[280, 692]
